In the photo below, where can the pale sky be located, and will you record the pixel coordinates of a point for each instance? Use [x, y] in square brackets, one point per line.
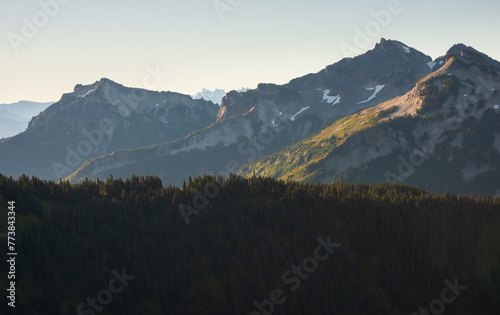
[252, 41]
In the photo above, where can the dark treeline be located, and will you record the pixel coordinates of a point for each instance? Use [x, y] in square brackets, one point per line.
[399, 244]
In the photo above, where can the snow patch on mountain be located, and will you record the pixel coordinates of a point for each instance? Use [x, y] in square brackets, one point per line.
[300, 111]
[431, 64]
[378, 88]
[330, 99]
[88, 92]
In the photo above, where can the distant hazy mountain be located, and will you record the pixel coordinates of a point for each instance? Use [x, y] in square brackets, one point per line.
[214, 96]
[10, 127]
[444, 134]
[25, 109]
[265, 120]
[98, 119]
[15, 117]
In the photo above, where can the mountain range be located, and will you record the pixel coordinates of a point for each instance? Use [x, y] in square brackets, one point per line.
[392, 113]
[271, 117]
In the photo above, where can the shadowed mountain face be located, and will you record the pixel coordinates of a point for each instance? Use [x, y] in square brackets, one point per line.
[444, 134]
[98, 119]
[261, 121]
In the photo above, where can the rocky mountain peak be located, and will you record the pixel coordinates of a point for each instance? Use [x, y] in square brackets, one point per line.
[470, 52]
[458, 49]
[233, 103]
[391, 45]
[384, 44]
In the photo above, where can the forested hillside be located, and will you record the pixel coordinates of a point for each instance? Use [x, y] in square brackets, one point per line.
[396, 248]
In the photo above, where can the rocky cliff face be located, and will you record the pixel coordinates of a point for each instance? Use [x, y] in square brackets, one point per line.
[234, 103]
[98, 119]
